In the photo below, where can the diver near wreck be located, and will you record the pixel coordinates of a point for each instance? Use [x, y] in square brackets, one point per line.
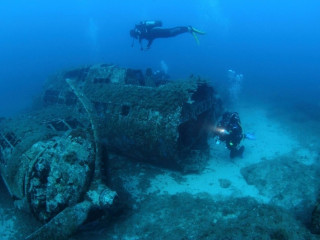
[229, 130]
[150, 30]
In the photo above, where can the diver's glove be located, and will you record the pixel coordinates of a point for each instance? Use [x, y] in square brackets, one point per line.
[250, 136]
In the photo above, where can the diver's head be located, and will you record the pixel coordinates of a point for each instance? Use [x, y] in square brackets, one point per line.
[133, 33]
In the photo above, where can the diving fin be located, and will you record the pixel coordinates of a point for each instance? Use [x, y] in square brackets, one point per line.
[194, 33]
[195, 37]
[194, 30]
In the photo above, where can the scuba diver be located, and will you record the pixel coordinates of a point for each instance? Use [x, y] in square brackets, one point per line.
[150, 30]
[229, 130]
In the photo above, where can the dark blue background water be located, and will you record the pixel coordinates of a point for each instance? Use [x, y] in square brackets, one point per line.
[275, 44]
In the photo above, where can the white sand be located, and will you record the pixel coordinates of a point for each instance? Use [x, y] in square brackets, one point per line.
[272, 140]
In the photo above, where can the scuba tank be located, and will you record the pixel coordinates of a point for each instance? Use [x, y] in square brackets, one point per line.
[151, 24]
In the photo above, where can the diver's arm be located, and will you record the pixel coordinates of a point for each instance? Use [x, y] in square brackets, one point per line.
[140, 42]
[141, 45]
[149, 43]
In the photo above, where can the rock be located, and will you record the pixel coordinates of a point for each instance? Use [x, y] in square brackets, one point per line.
[224, 183]
[186, 216]
[288, 183]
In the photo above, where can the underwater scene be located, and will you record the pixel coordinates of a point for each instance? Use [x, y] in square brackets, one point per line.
[187, 120]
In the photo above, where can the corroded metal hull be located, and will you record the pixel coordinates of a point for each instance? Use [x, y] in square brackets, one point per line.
[166, 125]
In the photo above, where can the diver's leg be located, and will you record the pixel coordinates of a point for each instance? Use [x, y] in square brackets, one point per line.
[235, 152]
[178, 30]
[168, 32]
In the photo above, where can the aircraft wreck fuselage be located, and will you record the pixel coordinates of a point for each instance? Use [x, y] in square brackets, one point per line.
[52, 158]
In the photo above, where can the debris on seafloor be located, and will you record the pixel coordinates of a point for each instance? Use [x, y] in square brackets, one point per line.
[52, 158]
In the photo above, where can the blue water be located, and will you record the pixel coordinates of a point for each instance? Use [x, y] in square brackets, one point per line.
[275, 44]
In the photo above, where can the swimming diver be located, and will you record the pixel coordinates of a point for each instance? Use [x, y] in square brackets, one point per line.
[229, 130]
[150, 30]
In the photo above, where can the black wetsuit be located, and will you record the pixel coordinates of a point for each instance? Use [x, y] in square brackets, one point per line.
[231, 133]
[150, 30]
[154, 33]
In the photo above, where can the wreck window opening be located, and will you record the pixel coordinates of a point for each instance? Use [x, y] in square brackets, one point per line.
[8, 140]
[134, 77]
[125, 109]
[58, 125]
[73, 123]
[101, 80]
[70, 98]
[78, 74]
[4, 144]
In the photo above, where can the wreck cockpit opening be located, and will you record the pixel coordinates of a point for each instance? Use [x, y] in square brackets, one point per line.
[192, 134]
[197, 117]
